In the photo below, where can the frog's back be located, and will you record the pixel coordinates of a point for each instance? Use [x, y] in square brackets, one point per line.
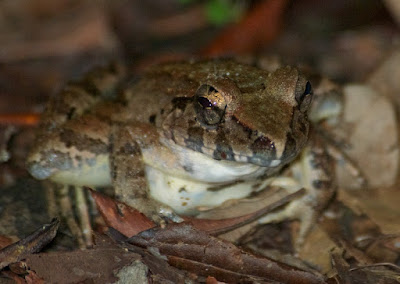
[182, 79]
[164, 82]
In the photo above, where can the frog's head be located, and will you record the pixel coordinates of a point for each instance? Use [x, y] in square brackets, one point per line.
[261, 121]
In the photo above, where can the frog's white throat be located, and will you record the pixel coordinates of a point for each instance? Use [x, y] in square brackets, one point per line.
[188, 197]
[198, 181]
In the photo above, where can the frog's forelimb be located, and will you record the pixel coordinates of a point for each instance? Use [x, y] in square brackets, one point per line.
[314, 171]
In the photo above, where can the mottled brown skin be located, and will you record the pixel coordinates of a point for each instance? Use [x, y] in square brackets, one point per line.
[182, 130]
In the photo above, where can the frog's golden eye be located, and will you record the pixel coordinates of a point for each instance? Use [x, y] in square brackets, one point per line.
[210, 105]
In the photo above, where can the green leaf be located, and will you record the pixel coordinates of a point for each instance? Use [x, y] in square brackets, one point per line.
[220, 12]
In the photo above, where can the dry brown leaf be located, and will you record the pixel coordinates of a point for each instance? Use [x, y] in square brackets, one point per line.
[97, 265]
[130, 221]
[106, 262]
[196, 251]
[358, 235]
[31, 244]
[120, 216]
[372, 274]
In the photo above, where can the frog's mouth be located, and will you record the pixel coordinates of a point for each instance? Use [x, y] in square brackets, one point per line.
[221, 146]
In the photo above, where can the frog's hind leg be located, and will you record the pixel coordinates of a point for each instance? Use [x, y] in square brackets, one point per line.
[314, 171]
[76, 154]
[71, 148]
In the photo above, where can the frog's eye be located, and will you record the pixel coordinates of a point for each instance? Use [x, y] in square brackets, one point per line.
[210, 105]
[304, 96]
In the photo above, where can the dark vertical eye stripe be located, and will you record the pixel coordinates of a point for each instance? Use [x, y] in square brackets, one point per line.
[264, 151]
[223, 150]
[195, 139]
[244, 127]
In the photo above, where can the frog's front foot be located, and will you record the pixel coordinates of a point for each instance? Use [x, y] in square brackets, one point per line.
[314, 172]
[160, 214]
[298, 209]
[166, 213]
[157, 212]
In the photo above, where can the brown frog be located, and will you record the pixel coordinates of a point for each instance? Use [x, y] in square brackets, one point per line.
[187, 135]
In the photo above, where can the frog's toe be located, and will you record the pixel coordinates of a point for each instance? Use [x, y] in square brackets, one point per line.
[307, 220]
[168, 215]
[171, 216]
[161, 215]
[301, 211]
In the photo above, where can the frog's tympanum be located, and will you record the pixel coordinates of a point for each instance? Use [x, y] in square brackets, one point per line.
[187, 135]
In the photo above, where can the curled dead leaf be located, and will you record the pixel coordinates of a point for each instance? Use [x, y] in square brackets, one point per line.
[130, 221]
[31, 244]
[196, 251]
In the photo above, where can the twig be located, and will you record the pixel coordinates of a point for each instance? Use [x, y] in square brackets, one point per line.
[31, 244]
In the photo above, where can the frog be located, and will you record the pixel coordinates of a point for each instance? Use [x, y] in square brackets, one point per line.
[185, 136]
